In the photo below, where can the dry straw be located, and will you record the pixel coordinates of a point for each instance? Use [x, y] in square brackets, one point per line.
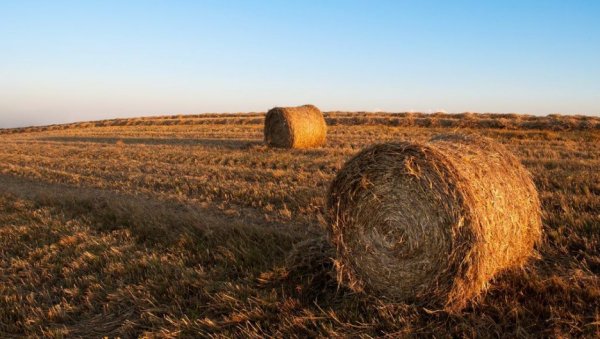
[295, 127]
[432, 223]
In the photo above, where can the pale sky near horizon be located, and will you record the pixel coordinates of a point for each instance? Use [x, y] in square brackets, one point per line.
[63, 61]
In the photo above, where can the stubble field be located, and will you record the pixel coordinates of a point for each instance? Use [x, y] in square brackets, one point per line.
[189, 226]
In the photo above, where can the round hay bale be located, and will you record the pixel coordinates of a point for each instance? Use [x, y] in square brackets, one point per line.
[295, 127]
[432, 223]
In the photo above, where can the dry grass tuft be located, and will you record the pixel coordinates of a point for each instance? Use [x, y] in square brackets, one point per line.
[295, 127]
[432, 223]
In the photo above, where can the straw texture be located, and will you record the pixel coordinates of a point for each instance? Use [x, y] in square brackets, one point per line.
[432, 223]
[295, 127]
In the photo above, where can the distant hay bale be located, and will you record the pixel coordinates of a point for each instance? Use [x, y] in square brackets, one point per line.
[432, 223]
[295, 127]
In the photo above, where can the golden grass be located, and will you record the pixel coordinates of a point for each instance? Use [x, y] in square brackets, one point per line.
[554, 122]
[195, 228]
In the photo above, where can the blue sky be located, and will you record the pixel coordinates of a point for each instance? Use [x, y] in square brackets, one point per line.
[83, 60]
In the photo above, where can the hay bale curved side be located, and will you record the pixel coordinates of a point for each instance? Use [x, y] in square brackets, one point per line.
[295, 127]
[432, 223]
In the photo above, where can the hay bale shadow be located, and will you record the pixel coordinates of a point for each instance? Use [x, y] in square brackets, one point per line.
[210, 143]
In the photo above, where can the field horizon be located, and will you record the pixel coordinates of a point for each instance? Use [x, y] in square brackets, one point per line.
[188, 225]
[494, 120]
[500, 118]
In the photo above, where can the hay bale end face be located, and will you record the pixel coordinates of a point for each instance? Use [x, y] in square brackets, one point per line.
[432, 223]
[295, 127]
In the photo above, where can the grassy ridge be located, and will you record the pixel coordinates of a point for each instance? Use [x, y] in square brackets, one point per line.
[190, 226]
[457, 120]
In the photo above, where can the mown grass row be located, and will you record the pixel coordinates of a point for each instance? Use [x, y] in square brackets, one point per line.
[554, 122]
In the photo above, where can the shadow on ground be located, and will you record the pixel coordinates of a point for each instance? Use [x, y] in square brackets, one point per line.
[198, 271]
[213, 143]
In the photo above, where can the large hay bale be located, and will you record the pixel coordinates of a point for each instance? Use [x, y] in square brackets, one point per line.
[432, 223]
[295, 127]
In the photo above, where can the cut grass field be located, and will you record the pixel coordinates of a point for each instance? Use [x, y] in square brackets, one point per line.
[189, 226]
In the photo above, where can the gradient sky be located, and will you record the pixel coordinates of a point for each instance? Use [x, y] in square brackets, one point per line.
[66, 61]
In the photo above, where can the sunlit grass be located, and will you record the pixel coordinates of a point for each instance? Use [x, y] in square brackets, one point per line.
[187, 225]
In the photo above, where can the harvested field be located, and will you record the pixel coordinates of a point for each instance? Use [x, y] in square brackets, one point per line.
[190, 225]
